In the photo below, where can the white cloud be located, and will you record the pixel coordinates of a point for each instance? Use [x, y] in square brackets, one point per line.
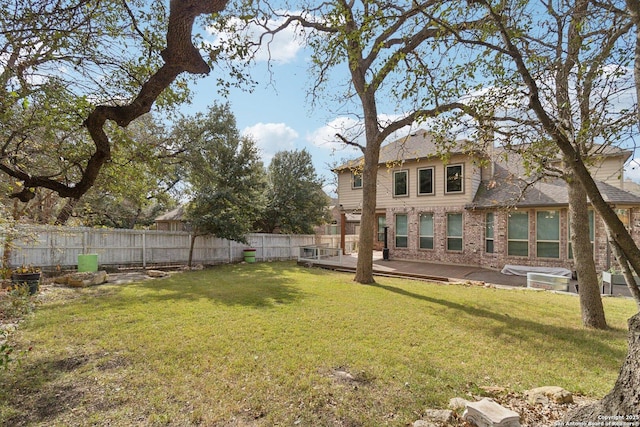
[325, 137]
[353, 130]
[282, 47]
[632, 170]
[271, 138]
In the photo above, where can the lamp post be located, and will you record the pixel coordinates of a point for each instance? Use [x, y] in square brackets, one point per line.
[385, 250]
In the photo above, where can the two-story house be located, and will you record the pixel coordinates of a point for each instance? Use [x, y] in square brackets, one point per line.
[475, 208]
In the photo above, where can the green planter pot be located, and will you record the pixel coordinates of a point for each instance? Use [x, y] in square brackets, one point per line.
[249, 255]
[32, 280]
[88, 263]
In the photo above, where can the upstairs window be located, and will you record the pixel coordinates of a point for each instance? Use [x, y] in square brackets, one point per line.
[425, 181]
[356, 180]
[454, 179]
[400, 183]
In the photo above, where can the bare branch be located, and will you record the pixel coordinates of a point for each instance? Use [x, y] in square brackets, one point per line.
[349, 142]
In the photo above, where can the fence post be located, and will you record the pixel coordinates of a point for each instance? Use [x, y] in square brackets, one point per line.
[144, 249]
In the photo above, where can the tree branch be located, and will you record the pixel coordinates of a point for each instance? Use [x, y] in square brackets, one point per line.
[180, 56]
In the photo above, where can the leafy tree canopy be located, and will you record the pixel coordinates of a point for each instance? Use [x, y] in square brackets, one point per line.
[226, 175]
[296, 201]
[75, 65]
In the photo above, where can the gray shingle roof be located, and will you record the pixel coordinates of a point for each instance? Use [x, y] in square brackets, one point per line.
[175, 215]
[508, 190]
[420, 144]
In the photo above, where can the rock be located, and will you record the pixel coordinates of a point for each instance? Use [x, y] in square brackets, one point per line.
[543, 395]
[487, 413]
[435, 418]
[157, 274]
[195, 267]
[457, 403]
[61, 280]
[344, 375]
[81, 280]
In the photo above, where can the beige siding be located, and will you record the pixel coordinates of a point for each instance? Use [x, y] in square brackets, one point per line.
[351, 198]
[610, 170]
[440, 198]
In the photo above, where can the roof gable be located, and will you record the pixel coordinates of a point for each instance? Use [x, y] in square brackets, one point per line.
[175, 215]
[417, 145]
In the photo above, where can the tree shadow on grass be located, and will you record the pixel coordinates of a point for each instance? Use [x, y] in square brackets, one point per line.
[261, 285]
[39, 395]
[585, 341]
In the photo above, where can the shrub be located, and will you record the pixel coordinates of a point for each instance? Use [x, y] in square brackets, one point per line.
[15, 303]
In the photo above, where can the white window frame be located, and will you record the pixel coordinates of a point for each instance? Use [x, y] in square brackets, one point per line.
[510, 239]
[450, 237]
[489, 232]
[420, 231]
[380, 234]
[539, 240]
[446, 178]
[406, 174]
[406, 236]
[433, 181]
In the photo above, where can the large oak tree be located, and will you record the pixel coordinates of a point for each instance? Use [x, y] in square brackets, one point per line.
[225, 174]
[77, 63]
[589, 42]
[391, 54]
[579, 75]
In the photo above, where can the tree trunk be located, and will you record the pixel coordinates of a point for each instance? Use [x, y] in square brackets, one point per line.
[66, 211]
[626, 270]
[633, 7]
[624, 400]
[193, 240]
[589, 289]
[364, 267]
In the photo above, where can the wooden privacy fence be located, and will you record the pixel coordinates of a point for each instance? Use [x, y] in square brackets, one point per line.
[50, 247]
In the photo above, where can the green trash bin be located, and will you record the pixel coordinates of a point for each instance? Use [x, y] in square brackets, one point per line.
[249, 255]
[88, 263]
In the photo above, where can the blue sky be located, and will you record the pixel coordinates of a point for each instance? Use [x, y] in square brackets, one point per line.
[278, 114]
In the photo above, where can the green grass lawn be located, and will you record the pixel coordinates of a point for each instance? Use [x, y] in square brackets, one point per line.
[269, 343]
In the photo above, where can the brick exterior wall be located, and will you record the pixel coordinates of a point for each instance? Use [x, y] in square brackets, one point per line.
[473, 252]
